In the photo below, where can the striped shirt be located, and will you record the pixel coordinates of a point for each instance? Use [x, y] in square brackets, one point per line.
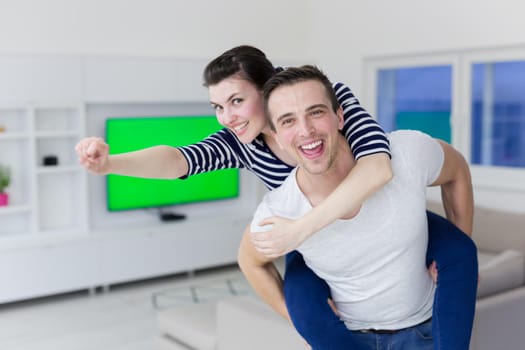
[223, 150]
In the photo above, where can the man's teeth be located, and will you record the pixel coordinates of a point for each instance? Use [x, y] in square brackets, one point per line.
[240, 127]
[312, 145]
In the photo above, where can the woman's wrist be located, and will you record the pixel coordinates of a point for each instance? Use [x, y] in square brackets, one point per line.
[111, 165]
[307, 225]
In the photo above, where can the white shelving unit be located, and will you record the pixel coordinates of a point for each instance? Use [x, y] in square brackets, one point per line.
[43, 199]
[14, 209]
[61, 188]
[56, 234]
[15, 153]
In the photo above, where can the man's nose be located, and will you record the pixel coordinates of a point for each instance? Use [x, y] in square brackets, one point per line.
[306, 127]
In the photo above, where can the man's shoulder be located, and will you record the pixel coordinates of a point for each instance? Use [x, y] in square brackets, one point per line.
[408, 136]
[406, 141]
[415, 154]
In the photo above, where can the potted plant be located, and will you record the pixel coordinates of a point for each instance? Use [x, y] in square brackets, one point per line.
[5, 177]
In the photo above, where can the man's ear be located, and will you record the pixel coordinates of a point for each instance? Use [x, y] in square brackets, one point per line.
[340, 117]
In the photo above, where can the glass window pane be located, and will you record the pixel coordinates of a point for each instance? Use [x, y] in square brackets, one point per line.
[498, 114]
[416, 98]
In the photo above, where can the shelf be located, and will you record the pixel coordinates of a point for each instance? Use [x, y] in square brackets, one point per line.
[64, 233]
[14, 136]
[9, 243]
[57, 134]
[59, 205]
[61, 169]
[14, 120]
[58, 121]
[63, 148]
[14, 209]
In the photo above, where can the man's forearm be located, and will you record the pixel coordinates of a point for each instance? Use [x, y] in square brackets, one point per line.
[263, 276]
[268, 285]
[458, 201]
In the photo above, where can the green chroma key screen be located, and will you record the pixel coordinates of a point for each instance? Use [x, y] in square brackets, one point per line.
[130, 134]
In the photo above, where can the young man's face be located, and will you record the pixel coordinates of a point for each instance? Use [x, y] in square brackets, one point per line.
[306, 125]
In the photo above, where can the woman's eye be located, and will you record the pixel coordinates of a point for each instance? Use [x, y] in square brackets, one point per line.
[216, 108]
[236, 101]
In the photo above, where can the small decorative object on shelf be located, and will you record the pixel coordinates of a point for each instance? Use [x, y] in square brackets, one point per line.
[5, 177]
[50, 160]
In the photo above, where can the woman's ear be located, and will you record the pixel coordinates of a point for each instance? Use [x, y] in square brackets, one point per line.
[340, 117]
[274, 134]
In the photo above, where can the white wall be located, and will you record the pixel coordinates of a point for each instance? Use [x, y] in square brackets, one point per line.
[180, 28]
[344, 33]
[336, 34]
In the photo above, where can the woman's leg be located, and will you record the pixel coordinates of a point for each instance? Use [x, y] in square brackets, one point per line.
[306, 299]
[454, 302]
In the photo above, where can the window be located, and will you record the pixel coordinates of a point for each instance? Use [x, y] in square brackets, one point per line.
[472, 99]
[498, 114]
[416, 98]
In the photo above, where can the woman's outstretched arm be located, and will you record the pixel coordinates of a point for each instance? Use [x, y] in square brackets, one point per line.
[163, 162]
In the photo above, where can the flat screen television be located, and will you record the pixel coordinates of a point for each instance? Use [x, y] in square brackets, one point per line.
[134, 133]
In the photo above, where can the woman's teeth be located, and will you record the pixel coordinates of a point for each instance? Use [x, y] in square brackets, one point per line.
[240, 127]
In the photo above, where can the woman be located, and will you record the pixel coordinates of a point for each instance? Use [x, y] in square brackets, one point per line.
[235, 80]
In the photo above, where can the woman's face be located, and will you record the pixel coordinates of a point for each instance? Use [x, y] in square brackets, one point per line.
[239, 107]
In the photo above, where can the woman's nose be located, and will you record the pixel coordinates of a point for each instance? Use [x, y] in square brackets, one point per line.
[227, 117]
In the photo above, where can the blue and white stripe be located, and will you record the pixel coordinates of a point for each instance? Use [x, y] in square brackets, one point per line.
[223, 150]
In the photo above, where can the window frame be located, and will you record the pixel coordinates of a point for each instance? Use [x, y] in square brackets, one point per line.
[461, 62]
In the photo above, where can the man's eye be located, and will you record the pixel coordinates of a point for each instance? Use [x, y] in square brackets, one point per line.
[317, 112]
[286, 122]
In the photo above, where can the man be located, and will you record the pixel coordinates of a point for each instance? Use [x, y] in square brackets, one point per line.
[374, 264]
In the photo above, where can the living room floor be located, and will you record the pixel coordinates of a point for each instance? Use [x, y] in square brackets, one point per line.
[122, 318]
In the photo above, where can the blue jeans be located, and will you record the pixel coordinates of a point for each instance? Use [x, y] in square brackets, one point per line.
[414, 338]
[454, 301]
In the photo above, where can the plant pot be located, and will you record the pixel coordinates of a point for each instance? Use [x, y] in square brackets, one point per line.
[4, 199]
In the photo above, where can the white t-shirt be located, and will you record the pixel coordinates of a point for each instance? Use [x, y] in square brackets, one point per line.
[375, 262]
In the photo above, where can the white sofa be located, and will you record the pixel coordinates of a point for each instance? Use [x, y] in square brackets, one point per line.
[246, 323]
[500, 310]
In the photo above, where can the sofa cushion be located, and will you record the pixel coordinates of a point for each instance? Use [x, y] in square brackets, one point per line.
[494, 230]
[497, 230]
[500, 271]
[193, 324]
